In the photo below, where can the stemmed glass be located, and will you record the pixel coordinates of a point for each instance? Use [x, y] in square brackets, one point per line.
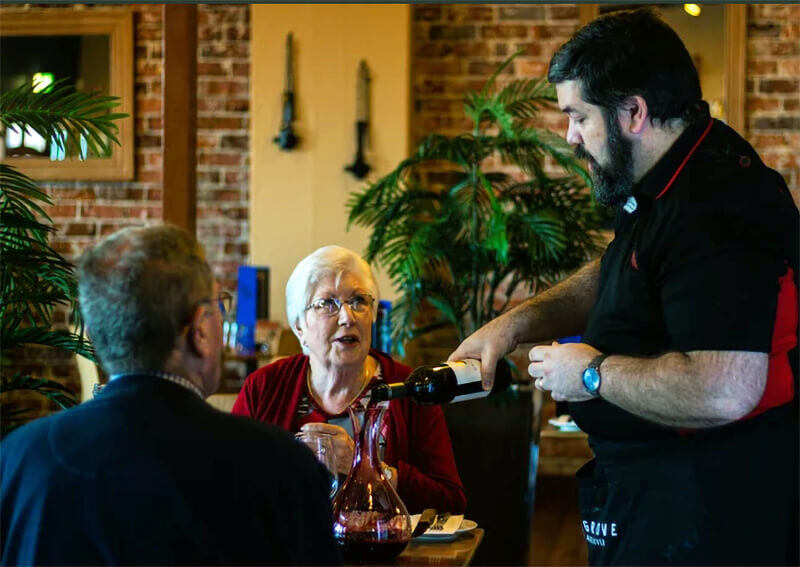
[321, 444]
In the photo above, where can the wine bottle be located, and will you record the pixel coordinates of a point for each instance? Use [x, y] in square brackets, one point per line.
[444, 383]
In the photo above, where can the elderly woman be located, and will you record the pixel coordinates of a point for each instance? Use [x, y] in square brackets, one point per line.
[330, 304]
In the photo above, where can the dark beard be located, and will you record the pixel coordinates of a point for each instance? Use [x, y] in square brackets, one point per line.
[612, 185]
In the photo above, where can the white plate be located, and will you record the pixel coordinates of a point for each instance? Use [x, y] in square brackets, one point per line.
[564, 425]
[466, 526]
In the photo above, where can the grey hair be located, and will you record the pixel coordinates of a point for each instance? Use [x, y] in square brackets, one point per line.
[137, 289]
[322, 263]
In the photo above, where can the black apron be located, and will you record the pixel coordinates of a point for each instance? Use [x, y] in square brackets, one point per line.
[716, 497]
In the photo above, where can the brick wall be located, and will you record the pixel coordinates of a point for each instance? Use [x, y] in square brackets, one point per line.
[773, 87]
[457, 46]
[84, 211]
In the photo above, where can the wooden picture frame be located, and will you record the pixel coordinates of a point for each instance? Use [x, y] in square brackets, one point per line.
[118, 25]
[735, 56]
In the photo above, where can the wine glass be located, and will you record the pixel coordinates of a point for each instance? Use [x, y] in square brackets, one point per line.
[321, 444]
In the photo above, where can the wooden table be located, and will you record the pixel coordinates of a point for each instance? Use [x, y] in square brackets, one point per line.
[454, 553]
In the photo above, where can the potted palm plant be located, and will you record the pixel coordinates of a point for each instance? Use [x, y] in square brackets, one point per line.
[465, 246]
[34, 278]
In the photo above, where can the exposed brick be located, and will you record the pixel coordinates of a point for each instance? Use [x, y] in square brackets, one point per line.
[224, 50]
[149, 176]
[763, 29]
[148, 141]
[791, 104]
[487, 68]
[777, 123]
[237, 105]
[469, 13]
[504, 32]
[223, 87]
[545, 31]
[452, 32]
[220, 159]
[81, 229]
[762, 66]
[521, 12]
[148, 105]
[220, 122]
[527, 68]
[206, 177]
[533, 48]
[778, 86]
[241, 69]
[566, 12]
[74, 193]
[440, 67]
[788, 67]
[61, 211]
[791, 30]
[427, 13]
[762, 103]
[205, 68]
[237, 33]
[240, 142]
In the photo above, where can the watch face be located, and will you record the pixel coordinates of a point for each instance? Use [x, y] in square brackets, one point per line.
[591, 380]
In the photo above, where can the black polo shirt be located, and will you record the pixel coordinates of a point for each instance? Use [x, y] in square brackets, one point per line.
[704, 257]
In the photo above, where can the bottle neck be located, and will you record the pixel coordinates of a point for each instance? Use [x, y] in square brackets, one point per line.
[386, 392]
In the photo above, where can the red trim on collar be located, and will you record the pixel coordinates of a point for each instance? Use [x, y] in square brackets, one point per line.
[686, 159]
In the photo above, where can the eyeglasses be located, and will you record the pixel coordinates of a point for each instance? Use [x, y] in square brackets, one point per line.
[330, 306]
[225, 301]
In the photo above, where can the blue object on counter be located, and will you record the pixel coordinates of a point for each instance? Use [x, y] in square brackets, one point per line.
[252, 303]
[382, 327]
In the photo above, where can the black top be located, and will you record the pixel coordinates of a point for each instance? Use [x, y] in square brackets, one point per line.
[696, 266]
[148, 473]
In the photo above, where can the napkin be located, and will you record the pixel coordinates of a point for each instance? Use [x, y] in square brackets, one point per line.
[444, 524]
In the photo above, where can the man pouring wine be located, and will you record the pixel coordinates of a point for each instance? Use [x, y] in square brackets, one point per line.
[686, 379]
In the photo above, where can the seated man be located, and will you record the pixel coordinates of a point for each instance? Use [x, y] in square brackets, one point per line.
[147, 472]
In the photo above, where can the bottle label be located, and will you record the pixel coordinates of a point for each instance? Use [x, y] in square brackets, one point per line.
[468, 376]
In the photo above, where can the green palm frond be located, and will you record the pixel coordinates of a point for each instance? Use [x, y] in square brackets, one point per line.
[452, 240]
[34, 278]
[63, 115]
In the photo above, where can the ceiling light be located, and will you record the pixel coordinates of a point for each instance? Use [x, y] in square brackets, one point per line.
[692, 9]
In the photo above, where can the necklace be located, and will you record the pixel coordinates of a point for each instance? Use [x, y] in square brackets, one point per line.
[367, 375]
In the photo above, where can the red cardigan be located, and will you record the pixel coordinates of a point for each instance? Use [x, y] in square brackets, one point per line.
[417, 441]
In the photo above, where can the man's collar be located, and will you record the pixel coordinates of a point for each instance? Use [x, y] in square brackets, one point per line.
[663, 174]
[174, 378]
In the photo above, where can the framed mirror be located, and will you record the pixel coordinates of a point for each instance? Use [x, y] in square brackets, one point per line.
[93, 48]
[715, 37]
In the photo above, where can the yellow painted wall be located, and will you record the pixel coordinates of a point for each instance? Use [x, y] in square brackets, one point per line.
[297, 200]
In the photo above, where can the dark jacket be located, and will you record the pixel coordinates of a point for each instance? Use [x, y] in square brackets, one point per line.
[149, 473]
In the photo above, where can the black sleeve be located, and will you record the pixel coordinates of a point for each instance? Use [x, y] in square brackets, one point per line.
[719, 277]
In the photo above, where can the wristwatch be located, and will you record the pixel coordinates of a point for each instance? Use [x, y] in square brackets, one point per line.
[591, 376]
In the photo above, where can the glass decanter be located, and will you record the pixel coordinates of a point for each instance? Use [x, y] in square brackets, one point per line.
[370, 522]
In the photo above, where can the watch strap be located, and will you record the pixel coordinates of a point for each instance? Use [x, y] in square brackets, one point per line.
[597, 361]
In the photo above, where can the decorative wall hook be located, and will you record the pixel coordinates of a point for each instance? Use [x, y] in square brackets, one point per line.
[286, 138]
[359, 168]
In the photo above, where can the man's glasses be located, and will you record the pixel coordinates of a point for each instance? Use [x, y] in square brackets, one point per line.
[330, 306]
[225, 301]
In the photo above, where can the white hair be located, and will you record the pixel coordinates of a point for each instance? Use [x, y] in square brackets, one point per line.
[324, 262]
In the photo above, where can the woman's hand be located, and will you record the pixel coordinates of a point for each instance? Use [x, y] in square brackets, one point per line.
[343, 446]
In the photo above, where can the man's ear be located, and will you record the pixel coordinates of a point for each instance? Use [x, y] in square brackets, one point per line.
[634, 114]
[198, 333]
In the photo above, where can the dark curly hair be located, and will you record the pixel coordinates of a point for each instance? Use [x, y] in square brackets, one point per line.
[626, 53]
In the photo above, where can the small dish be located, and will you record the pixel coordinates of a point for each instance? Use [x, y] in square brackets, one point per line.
[466, 526]
[563, 425]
